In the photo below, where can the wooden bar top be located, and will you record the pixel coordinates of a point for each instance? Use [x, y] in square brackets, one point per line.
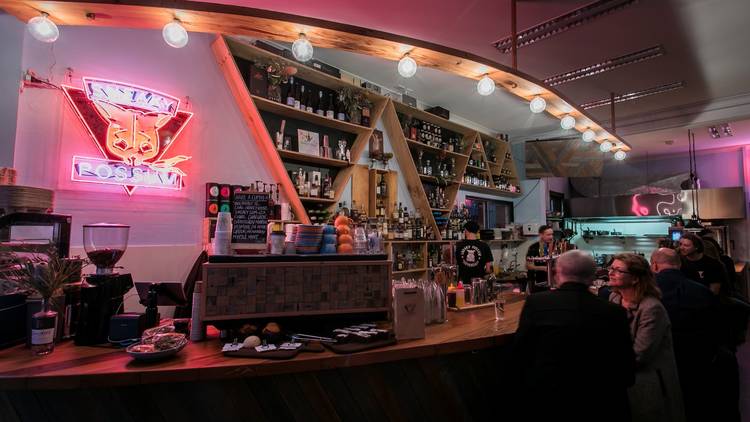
[71, 366]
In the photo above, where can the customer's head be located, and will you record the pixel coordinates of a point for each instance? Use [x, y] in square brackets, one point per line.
[575, 266]
[690, 245]
[665, 259]
[546, 234]
[631, 272]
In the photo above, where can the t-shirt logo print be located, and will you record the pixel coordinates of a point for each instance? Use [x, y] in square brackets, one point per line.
[470, 256]
[700, 274]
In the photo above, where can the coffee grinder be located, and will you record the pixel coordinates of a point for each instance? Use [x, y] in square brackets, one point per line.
[102, 293]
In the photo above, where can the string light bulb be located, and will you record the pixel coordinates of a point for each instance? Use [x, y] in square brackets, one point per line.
[485, 86]
[302, 48]
[605, 146]
[620, 155]
[407, 67]
[43, 29]
[568, 122]
[175, 34]
[588, 135]
[537, 105]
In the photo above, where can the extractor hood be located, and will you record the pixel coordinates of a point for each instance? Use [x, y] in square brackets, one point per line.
[713, 204]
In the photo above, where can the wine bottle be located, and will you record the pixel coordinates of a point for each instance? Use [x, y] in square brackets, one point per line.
[309, 102]
[290, 93]
[340, 112]
[298, 96]
[319, 109]
[329, 110]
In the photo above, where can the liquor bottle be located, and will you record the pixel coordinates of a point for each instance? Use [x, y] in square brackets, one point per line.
[340, 111]
[298, 96]
[329, 111]
[309, 102]
[400, 214]
[319, 109]
[290, 93]
[383, 186]
[43, 325]
[366, 116]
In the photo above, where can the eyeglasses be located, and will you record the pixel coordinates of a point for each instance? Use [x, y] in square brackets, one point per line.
[617, 270]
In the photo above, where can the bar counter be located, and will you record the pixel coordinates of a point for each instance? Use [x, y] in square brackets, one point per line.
[74, 367]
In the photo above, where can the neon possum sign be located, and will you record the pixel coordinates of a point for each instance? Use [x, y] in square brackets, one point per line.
[133, 127]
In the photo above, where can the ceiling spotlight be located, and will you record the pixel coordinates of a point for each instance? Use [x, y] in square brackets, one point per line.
[175, 34]
[726, 130]
[407, 67]
[43, 29]
[302, 49]
[605, 146]
[620, 155]
[568, 122]
[537, 104]
[588, 135]
[486, 85]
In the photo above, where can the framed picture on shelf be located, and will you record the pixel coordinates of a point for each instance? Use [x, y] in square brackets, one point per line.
[376, 144]
[309, 142]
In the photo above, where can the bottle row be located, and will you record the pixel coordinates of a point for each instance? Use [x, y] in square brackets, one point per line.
[345, 105]
[308, 142]
[430, 134]
[311, 184]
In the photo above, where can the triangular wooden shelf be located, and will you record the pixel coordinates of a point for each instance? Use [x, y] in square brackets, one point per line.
[224, 50]
[384, 109]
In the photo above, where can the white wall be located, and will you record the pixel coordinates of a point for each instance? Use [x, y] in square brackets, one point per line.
[11, 36]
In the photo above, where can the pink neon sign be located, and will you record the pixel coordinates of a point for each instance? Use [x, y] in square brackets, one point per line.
[133, 127]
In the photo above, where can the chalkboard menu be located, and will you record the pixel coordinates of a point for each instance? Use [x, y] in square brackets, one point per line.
[250, 218]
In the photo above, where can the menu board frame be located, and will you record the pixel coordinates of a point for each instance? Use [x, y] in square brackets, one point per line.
[259, 222]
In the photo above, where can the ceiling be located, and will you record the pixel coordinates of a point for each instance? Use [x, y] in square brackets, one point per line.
[705, 43]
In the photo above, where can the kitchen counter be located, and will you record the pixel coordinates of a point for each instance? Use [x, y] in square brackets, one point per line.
[76, 367]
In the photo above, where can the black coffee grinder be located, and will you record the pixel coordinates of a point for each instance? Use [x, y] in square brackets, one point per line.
[102, 293]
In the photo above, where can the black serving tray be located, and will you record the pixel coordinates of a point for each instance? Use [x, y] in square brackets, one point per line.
[233, 259]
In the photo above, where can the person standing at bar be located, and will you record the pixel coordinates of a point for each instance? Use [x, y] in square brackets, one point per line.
[563, 335]
[544, 248]
[697, 266]
[656, 395]
[694, 313]
[474, 257]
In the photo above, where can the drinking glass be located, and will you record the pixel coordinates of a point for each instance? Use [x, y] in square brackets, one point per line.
[501, 293]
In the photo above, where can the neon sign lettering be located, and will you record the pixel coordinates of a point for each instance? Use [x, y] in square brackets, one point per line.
[133, 127]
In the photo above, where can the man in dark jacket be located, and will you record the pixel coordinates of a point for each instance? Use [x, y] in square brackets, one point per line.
[573, 356]
[696, 332]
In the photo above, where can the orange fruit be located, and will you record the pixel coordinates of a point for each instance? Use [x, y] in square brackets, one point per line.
[346, 248]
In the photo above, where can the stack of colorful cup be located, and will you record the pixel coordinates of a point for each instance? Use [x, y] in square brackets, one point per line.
[329, 239]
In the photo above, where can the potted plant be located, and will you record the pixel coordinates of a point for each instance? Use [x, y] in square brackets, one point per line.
[43, 275]
[278, 73]
[353, 101]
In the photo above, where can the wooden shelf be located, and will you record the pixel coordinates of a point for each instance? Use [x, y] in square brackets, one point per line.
[487, 190]
[415, 270]
[441, 209]
[317, 200]
[307, 158]
[425, 147]
[404, 242]
[477, 168]
[293, 113]
[431, 118]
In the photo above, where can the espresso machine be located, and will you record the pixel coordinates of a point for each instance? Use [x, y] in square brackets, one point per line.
[102, 292]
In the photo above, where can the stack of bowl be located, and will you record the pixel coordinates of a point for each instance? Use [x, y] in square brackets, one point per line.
[329, 239]
[308, 238]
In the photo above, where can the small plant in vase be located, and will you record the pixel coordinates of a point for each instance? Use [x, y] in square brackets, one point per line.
[353, 102]
[278, 73]
[44, 275]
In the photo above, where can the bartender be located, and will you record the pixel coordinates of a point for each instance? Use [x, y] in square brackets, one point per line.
[537, 269]
[473, 256]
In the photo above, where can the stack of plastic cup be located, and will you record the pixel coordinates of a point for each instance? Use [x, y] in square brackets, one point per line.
[223, 235]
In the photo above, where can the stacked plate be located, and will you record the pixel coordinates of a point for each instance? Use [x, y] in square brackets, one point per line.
[308, 238]
[25, 198]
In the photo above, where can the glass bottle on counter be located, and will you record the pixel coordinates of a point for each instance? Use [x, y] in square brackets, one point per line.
[43, 325]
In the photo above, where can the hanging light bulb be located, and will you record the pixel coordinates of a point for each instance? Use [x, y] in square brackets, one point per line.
[537, 104]
[605, 146]
[620, 155]
[302, 49]
[407, 67]
[175, 34]
[568, 122]
[588, 135]
[485, 86]
[43, 29]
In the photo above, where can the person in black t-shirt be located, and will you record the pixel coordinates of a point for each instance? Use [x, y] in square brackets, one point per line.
[473, 256]
[699, 267]
[545, 247]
